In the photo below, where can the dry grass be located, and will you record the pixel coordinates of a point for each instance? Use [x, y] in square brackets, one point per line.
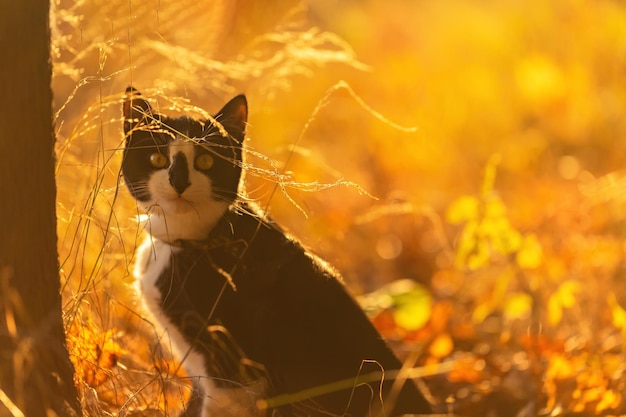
[506, 204]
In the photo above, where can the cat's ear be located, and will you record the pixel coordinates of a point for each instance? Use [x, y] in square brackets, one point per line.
[137, 111]
[234, 116]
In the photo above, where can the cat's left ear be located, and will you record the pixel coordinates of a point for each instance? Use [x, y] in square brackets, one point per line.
[137, 111]
[234, 116]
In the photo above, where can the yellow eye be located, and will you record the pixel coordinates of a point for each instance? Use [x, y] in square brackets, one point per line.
[204, 161]
[158, 160]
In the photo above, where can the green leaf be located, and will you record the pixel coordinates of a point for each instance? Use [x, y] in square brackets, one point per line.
[413, 308]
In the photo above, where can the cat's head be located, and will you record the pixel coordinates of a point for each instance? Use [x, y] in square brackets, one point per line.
[183, 172]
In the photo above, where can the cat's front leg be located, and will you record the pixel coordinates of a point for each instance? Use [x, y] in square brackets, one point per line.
[195, 405]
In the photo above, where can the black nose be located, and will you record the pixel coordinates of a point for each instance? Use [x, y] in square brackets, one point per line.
[179, 173]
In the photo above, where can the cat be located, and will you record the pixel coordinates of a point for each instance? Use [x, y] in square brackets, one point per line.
[247, 308]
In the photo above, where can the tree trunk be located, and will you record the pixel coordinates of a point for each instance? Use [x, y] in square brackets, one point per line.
[36, 375]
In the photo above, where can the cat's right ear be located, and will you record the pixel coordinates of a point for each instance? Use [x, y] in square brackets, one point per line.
[137, 111]
[234, 116]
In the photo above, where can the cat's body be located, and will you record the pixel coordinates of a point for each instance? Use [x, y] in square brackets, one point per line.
[245, 305]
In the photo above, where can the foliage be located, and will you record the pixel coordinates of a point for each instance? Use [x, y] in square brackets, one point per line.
[487, 243]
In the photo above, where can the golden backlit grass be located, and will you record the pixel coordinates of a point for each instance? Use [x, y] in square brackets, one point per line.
[506, 204]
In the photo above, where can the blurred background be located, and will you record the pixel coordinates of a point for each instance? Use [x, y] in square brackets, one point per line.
[460, 162]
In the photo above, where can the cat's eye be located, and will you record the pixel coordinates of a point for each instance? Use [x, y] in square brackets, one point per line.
[158, 160]
[204, 161]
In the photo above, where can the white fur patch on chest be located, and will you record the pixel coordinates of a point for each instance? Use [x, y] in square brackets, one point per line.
[153, 259]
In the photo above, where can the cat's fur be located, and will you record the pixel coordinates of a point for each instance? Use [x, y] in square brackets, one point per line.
[244, 304]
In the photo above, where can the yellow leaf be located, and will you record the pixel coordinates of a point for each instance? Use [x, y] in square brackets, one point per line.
[472, 252]
[540, 80]
[567, 293]
[619, 314]
[555, 310]
[530, 253]
[504, 238]
[518, 306]
[489, 178]
[495, 208]
[463, 209]
[481, 311]
[479, 257]
[610, 400]
[560, 368]
[564, 297]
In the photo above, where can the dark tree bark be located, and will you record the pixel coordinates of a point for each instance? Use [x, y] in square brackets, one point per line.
[36, 375]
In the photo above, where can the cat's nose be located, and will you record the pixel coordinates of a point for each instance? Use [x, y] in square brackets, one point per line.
[179, 173]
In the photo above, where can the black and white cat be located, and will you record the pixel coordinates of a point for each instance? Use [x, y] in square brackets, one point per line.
[245, 305]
